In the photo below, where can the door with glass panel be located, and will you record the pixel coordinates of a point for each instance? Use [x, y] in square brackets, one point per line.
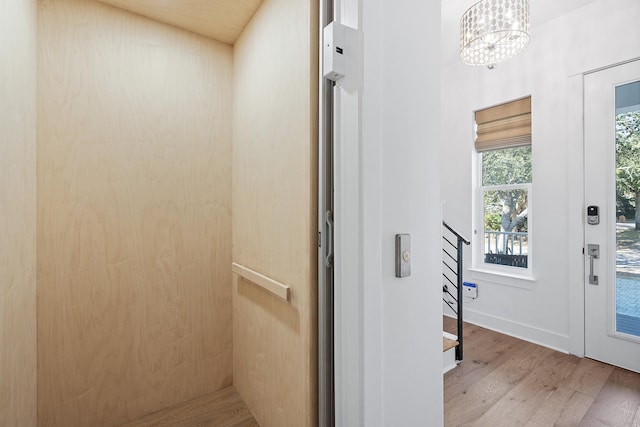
[612, 212]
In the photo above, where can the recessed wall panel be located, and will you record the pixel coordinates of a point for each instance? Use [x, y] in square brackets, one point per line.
[134, 215]
[18, 213]
[274, 212]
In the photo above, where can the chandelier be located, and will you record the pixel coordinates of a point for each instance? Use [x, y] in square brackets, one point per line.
[492, 31]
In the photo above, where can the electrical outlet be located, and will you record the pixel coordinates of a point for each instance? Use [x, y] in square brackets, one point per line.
[470, 290]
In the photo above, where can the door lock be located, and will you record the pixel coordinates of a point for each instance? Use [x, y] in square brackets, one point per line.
[593, 217]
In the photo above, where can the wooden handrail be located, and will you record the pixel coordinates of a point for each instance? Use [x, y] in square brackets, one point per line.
[278, 289]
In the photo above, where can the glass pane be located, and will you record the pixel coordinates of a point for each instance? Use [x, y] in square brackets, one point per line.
[507, 166]
[627, 212]
[506, 228]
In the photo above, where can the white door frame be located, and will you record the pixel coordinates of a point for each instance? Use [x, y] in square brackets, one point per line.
[385, 374]
[348, 289]
[577, 210]
[602, 341]
[576, 220]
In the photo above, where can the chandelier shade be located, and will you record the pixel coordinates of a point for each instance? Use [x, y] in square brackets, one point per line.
[492, 31]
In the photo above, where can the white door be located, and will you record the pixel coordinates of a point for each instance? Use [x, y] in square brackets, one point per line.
[612, 184]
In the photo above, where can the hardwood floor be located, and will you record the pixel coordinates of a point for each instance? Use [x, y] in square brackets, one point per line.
[504, 381]
[223, 408]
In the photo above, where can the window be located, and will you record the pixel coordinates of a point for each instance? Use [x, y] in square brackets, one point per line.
[505, 179]
[506, 185]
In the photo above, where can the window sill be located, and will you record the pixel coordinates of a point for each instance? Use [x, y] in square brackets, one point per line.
[523, 281]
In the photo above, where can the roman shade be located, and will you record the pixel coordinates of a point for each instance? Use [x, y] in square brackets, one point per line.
[504, 126]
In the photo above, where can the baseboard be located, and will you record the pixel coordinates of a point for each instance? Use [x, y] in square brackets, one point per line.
[449, 360]
[524, 332]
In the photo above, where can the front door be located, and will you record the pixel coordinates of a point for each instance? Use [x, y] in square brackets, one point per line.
[612, 225]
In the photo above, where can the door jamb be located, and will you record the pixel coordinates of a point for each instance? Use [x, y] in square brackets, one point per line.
[576, 200]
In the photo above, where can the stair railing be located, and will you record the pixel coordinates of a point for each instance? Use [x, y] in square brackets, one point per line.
[452, 277]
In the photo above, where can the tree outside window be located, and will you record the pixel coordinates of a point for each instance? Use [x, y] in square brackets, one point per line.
[506, 185]
[628, 166]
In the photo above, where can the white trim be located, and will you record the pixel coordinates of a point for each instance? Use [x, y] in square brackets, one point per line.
[448, 360]
[505, 278]
[522, 331]
[348, 308]
[576, 209]
[522, 276]
[349, 312]
[450, 336]
[503, 187]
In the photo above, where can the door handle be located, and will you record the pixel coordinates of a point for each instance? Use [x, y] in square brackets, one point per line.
[328, 258]
[593, 252]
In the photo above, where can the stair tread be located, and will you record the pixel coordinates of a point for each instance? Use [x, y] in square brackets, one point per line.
[448, 343]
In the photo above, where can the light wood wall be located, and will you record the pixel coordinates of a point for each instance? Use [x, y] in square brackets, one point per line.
[274, 212]
[134, 215]
[17, 213]
[221, 20]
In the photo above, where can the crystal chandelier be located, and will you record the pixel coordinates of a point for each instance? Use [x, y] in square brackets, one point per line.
[492, 31]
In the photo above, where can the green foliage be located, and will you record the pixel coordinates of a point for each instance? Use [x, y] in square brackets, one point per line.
[492, 221]
[627, 162]
[523, 226]
[506, 210]
[507, 166]
[628, 152]
[625, 205]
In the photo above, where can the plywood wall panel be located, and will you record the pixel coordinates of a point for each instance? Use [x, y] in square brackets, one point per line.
[221, 20]
[274, 212]
[17, 213]
[134, 231]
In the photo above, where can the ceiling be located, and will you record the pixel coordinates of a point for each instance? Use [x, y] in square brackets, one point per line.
[224, 20]
[221, 20]
[452, 10]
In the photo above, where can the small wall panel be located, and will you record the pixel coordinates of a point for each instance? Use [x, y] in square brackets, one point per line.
[134, 219]
[17, 213]
[274, 212]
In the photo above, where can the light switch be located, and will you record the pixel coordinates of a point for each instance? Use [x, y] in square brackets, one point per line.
[403, 255]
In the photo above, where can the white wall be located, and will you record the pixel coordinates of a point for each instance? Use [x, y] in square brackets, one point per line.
[397, 191]
[588, 38]
[400, 124]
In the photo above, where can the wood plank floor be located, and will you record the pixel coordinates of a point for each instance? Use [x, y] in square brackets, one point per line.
[223, 408]
[504, 381]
